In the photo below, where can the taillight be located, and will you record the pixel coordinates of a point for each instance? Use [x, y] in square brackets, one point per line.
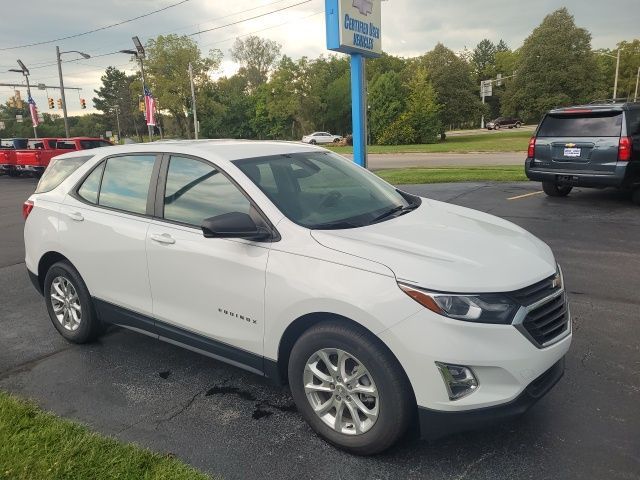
[26, 208]
[624, 149]
[531, 152]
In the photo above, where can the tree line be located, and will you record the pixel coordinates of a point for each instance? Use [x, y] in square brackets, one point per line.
[410, 100]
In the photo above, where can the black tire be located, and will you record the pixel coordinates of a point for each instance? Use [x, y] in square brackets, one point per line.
[635, 196]
[14, 173]
[554, 190]
[89, 327]
[517, 125]
[336, 140]
[312, 142]
[396, 401]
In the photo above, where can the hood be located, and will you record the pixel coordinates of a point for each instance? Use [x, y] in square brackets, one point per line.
[444, 247]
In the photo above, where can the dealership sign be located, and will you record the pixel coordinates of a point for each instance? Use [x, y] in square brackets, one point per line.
[353, 26]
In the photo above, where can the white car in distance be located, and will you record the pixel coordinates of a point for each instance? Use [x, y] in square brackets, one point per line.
[377, 307]
[319, 138]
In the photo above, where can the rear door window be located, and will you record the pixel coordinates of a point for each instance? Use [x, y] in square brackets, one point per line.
[125, 183]
[57, 172]
[607, 124]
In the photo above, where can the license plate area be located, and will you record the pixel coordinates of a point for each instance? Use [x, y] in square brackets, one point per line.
[572, 152]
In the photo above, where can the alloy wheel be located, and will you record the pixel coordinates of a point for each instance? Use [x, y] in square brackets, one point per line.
[341, 391]
[66, 303]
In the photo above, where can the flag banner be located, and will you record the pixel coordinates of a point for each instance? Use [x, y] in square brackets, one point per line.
[149, 107]
[34, 111]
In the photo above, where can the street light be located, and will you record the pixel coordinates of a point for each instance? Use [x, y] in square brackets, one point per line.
[615, 83]
[635, 96]
[62, 96]
[139, 54]
[25, 71]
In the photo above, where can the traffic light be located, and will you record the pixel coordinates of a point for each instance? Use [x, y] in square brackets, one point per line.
[83, 103]
[51, 104]
[60, 103]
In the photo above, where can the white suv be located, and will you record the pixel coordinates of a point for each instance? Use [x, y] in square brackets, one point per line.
[379, 308]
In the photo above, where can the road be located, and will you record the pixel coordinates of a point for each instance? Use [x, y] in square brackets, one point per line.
[401, 160]
[230, 423]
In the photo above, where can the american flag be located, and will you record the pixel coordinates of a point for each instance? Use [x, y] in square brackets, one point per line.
[149, 107]
[34, 111]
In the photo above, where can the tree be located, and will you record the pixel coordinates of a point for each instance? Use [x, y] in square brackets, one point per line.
[257, 56]
[556, 68]
[502, 46]
[484, 59]
[455, 89]
[167, 63]
[116, 94]
[386, 101]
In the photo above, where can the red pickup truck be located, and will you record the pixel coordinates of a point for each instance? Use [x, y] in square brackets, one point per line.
[8, 156]
[40, 151]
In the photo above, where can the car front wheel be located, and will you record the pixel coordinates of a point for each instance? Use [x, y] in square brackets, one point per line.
[312, 142]
[69, 304]
[554, 190]
[349, 388]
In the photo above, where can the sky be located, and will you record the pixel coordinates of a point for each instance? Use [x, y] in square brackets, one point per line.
[409, 28]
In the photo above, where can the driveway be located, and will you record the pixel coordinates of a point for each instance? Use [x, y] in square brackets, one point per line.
[230, 423]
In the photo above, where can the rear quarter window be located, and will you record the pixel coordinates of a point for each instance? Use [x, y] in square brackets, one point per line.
[606, 124]
[58, 171]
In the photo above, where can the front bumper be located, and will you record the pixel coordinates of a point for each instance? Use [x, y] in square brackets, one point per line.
[435, 424]
[577, 178]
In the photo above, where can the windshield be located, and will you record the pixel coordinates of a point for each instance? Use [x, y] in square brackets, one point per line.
[321, 190]
[605, 124]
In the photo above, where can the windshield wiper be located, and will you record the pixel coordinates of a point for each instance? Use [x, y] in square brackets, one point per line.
[399, 209]
[335, 226]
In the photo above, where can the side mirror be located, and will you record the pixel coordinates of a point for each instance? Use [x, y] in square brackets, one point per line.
[233, 225]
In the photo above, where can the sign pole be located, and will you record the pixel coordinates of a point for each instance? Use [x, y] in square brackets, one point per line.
[359, 109]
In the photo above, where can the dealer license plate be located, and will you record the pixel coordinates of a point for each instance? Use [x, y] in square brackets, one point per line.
[571, 152]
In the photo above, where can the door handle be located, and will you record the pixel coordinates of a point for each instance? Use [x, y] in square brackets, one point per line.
[77, 216]
[165, 238]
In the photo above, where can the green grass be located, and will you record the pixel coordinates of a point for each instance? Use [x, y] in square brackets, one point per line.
[516, 141]
[405, 176]
[38, 445]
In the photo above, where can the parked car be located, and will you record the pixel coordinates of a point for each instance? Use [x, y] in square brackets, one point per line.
[594, 145]
[378, 308]
[8, 155]
[502, 122]
[321, 138]
[39, 151]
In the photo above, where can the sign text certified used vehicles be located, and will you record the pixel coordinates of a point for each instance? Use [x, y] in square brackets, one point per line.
[377, 307]
[321, 138]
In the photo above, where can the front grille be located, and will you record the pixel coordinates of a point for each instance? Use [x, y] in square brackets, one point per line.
[529, 295]
[548, 321]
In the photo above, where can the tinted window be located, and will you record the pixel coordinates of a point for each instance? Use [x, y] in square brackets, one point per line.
[323, 190]
[196, 190]
[607, 124]
[91, 185]
[125, 183]
[88, 144]
[57, 171]
[633, 122]
[66, 145]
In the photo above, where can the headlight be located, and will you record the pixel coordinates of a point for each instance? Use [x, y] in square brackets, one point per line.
[480, 308]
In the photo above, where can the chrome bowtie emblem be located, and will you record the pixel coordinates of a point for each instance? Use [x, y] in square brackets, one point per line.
[364, 6]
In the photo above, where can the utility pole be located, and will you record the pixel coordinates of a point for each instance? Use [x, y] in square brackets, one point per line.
[62, 95]
[25, 71]
[193, 103]
[635, 96]
[139, 54]
[117, 109]
[615, 84]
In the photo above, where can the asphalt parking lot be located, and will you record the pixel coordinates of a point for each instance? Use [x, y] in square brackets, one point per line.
[231, 423]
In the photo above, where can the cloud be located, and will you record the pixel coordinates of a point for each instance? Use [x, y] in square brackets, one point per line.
[410, 27]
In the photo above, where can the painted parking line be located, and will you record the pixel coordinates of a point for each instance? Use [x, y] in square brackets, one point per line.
[525, 195]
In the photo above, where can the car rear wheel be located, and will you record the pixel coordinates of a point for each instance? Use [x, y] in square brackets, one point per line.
[554, 190]
[69, 304]
[349, 388]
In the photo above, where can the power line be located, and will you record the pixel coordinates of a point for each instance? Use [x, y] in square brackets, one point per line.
[247, 19]
[97, 29]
